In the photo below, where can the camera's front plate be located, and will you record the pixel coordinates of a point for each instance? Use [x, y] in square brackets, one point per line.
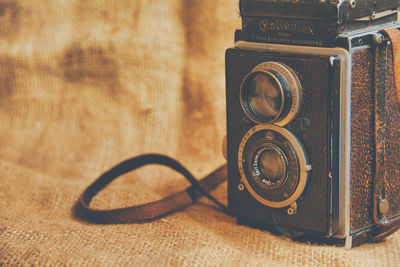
[311, 127]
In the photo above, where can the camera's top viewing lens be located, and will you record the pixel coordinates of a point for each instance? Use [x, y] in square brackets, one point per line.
[271, 93]
[264, 96]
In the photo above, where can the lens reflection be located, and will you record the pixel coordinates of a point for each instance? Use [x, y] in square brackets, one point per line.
[272, 165]
[269, 166]
[263, 96]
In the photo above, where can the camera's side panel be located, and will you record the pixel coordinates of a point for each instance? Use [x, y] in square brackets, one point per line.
[363, 144]
[362, 138]
[312, 126]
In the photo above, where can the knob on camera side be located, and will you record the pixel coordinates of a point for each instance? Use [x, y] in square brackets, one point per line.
[271, 93]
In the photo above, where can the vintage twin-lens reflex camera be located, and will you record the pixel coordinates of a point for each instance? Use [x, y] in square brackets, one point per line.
[313, 123]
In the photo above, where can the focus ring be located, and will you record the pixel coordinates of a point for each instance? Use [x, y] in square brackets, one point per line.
[271, 93]
[289, 188]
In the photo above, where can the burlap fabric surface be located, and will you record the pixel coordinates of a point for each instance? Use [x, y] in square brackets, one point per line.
[86, 84]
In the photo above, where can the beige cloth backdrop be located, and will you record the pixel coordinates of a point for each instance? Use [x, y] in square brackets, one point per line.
[86, 84]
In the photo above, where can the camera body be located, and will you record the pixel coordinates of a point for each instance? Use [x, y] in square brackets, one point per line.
[307, 83]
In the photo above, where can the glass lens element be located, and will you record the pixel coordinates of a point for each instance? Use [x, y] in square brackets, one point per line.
[269, 166]
[264, 96]
[272, 165]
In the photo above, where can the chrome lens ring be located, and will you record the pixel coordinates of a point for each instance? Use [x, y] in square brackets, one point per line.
[286, 190]
[283, 81]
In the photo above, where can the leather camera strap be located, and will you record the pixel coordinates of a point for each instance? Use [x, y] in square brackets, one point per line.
[394, 37]
[384, 227]
[153, 210]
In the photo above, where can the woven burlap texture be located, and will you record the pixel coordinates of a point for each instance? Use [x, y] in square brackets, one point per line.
[87, 84]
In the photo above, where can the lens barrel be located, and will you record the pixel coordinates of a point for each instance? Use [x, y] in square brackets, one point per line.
[271, 93]
[273, 165]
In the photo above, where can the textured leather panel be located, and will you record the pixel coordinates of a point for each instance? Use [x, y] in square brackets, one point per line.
[362, 135]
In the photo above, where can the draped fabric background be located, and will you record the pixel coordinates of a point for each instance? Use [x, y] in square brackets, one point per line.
[87, 84]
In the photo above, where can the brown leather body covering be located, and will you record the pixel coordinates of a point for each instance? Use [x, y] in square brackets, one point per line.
[375, 135]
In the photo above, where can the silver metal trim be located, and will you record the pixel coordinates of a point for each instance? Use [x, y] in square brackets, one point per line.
[349, 242]
[377, 15]
[301, 157]
[372, 30]
[345, 115]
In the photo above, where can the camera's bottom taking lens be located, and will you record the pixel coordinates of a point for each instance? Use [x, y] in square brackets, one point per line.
[268, 166]
[273, 165]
